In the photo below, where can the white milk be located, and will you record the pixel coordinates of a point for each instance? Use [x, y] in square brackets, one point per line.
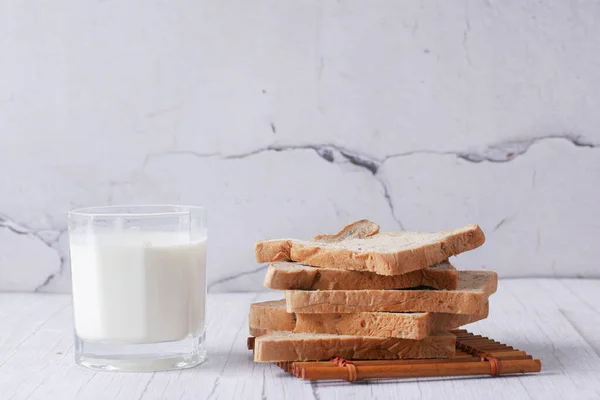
[138, 287]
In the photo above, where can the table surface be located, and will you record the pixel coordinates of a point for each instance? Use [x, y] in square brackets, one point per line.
[555, 320]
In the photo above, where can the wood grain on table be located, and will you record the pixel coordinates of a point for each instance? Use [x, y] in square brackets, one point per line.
[555, 320]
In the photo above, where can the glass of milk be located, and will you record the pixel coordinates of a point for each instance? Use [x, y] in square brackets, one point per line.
[139, 286]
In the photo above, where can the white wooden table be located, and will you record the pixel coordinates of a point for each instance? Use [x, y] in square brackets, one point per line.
[557, 321]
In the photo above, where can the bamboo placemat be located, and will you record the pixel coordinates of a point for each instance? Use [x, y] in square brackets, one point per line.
[475, 355]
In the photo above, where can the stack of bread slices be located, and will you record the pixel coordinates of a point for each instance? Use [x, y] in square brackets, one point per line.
[362, 294]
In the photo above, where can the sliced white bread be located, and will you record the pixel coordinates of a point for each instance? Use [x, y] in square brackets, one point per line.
[285, 275]
[360, 247]
[289, 346]
[471, 296]
[272, 316]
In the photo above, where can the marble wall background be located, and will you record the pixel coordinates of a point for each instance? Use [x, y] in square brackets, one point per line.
[293, 118]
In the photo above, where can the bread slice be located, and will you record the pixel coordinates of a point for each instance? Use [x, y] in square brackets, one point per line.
[288, 346]
[284, 275]
[470, 297]
[360, 247]
[271, 316]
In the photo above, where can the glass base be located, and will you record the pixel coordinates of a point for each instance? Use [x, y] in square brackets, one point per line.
[148, 357]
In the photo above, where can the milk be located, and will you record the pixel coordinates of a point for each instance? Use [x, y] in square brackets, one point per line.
[138, 287]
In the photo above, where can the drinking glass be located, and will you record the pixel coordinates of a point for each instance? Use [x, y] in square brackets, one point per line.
[139, 286]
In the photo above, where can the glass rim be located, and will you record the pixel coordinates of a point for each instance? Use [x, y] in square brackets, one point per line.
[107, 211]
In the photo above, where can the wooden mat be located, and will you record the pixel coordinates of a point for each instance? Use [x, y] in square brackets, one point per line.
[475, 355]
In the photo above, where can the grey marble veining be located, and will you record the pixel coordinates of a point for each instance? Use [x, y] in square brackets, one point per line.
[290, 121]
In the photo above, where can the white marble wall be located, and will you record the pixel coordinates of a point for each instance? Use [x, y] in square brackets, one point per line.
[297, 117]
